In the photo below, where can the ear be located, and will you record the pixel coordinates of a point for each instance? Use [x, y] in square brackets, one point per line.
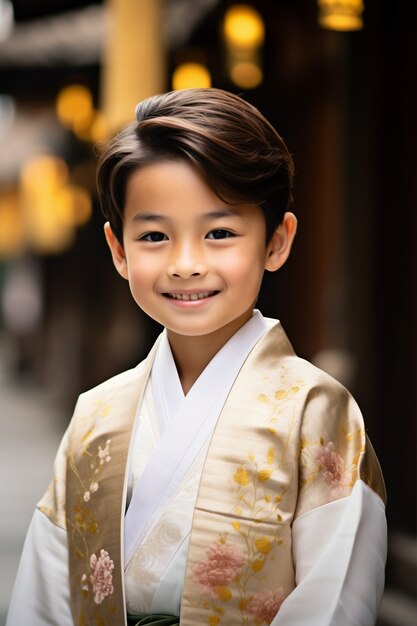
[117, 251]
[279, 247]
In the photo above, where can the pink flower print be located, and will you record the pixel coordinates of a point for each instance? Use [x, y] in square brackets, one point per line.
[224, 563]
[331, 464]
[101, 579]
[264, 605]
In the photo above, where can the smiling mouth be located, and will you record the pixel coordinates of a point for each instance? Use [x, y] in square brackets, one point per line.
[191, 296]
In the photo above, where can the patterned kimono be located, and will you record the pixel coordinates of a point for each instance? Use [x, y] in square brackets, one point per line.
[255, 499]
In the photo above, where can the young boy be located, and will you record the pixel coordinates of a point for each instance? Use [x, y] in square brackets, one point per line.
[223, 481]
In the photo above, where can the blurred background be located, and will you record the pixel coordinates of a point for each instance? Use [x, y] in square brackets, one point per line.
[338, 80]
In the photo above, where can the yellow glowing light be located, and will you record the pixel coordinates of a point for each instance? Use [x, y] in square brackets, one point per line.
[43, 174]
[52, 208]
[246, 74]
[189, 75]
[99, 128]
[243, 26]
[46, 232]
[74, 106]
[73, 205]
[342, 15]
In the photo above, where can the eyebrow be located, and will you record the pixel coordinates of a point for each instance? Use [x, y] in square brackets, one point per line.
[148, 217]
[154, 217]
[220, 213]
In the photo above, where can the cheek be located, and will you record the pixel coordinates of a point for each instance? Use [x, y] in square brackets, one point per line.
[140, 275]
[249, 265]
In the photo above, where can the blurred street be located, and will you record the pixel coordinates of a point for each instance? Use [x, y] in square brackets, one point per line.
[331, 77]
[31, 426]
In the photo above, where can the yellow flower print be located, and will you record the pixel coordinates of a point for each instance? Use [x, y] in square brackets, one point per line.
[264, 474]
[263, 545]
[213, 620]
[241, 477]
[236, 525]
[263, 398]
[224, 593]
[257, 565]
[270, 456]
[281, 394]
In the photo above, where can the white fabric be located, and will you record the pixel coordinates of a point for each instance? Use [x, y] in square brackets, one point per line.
[339, 551]
[41, 593]
[185, 432]
[167, 540]
[167, 392]
[168, 594]
[144, 439]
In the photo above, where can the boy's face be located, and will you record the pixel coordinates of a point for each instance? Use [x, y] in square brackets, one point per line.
[193, 262]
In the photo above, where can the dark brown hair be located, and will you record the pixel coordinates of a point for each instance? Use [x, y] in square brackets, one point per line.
[240, 155]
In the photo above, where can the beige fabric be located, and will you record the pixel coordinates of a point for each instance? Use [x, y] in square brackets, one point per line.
[288, 440]
[96, 458]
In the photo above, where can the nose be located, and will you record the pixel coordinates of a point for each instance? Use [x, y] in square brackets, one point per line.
[186, 261]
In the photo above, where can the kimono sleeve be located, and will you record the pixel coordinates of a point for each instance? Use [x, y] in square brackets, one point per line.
[339, 532]
[41, 592]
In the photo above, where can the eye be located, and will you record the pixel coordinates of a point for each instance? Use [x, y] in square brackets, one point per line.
[219, 233]
[154, 237]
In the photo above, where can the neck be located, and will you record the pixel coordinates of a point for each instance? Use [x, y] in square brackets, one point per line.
[193, 354]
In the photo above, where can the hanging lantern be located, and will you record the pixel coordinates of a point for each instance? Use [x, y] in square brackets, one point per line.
[243, 26]
[342, 15]
[244, 34]
[74, 106]
[189, 75]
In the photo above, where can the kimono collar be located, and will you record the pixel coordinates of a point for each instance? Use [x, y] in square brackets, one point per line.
[166, 386]
[184, 431]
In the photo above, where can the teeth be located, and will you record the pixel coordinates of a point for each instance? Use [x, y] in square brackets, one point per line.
[192, 296]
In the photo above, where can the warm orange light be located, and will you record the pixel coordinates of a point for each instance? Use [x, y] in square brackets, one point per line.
[73, 206]
[46, 232]
[99, 130]
[52, 208]
[243, 26]
[341, 15]
[190, 75]
[246, 74]
[74, 106]
[244, 33]
[43, 174]
[11, 224]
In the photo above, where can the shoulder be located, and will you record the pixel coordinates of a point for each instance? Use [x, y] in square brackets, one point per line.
[325, 399]
[124, 380]
[116, 383]
[300, 371]
[317, 381]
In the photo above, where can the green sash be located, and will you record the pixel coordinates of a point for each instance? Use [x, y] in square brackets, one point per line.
[152, 619]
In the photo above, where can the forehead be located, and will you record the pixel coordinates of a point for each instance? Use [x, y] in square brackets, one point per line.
[178, 188]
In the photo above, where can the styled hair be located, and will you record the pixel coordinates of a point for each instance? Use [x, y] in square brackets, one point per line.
[240, 155]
